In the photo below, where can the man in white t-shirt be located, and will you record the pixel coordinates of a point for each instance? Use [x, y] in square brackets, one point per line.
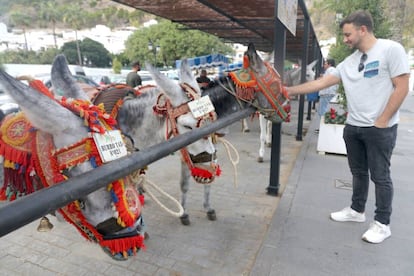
[375, 78]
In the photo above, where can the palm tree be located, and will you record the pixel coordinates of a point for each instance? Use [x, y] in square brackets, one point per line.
[23, 21]
[75, 19]
[49, 12]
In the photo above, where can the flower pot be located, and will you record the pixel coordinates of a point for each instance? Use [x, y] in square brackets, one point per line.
[330, 138]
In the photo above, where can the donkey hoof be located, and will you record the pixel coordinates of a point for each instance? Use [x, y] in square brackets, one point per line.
[269, 145]
[246, 130]
[211, 215]
[146, 236]
[260, 159]
[185, 219]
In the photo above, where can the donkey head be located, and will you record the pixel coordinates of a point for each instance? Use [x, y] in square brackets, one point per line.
[56, 118]
[257, 83]
[179, 95]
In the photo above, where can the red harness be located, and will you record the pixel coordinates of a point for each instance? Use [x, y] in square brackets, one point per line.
[163, 107]
[270, 85]
[35, 157]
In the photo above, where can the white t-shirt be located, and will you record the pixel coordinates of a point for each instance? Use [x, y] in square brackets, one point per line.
[367, 92]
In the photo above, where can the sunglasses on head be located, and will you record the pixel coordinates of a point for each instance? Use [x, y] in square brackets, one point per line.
[361, 65]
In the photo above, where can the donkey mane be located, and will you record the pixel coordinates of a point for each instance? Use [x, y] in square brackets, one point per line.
[133, 109]
[224, 103]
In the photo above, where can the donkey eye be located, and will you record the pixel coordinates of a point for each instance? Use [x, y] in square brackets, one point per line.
[188, 127]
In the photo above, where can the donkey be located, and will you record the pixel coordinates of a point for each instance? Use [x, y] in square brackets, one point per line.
[251, 85]
[134, 111]
[136, 119]
[292, 77]
[102, 216]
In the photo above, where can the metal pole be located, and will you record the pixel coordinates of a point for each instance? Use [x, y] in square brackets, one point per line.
[31, 207]
[279, 59]
[305, 41]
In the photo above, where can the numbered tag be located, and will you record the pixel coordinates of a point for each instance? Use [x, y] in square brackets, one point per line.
[110, 145]
[201, 107]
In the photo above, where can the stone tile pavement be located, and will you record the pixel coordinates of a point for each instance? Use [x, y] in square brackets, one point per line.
[228, 246]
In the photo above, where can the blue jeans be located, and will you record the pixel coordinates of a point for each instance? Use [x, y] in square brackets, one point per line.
[369, 149]
[324, 103]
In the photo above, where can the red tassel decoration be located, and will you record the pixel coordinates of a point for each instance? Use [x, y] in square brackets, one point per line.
[122, 245]
[201, 172]
[246, 62]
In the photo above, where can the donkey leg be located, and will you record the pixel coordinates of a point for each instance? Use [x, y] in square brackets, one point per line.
[268, 133]
[184, 185]
[262, 124]
[211, 213]
[245, 126]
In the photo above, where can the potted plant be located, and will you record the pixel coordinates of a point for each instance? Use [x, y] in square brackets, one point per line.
[332, 126]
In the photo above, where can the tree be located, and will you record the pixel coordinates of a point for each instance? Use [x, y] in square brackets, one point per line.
[75, 18]
[396, 12]
[94, 53]
[50, 13]
[70, 50]
[172, 43]
[22, 20]
[116, 66]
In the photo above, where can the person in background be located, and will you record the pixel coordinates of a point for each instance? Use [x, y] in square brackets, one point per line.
[375, 78]
[327, 94]
[203, 81]
[133, 78]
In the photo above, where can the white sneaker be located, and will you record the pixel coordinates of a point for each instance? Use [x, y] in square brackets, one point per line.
[348, 214]
[377, 232]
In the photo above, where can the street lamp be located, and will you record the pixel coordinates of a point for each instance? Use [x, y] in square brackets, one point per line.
[154, 49]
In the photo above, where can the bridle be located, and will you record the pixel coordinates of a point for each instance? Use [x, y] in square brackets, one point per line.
[164, 107]
[249, 82]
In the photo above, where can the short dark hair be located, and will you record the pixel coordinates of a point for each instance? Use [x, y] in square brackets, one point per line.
[136, 63]
[359, 18]
[330, 61]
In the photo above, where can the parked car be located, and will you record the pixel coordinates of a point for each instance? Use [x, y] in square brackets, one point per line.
[7, 105]
[102, 80]
[147, 79]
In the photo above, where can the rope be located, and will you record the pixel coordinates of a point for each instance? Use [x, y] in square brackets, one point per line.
[234, 160]
[141, 179]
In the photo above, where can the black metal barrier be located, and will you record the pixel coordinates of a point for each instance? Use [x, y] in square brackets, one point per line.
[31, 207]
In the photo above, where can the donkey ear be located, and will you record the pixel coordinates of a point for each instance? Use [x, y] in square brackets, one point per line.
[169, 86]
[187, 76]
[63, 82]
[42, 111]
[254, 61]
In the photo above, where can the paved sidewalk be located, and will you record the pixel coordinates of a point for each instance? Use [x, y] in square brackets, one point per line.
[255, 234]
[227, 246]
[302, 240]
